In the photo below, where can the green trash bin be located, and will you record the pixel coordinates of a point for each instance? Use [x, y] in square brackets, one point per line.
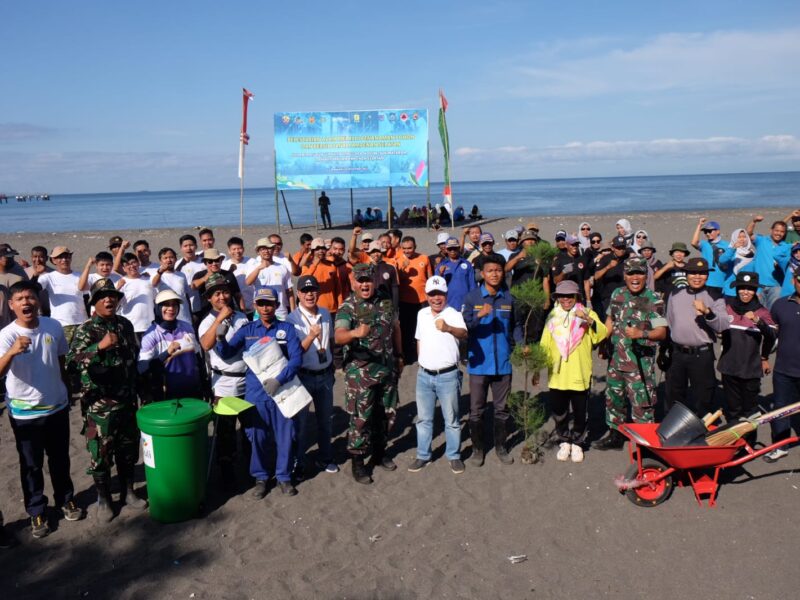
[175, 451]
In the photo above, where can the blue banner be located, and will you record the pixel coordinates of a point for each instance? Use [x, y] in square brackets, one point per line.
[351, 149]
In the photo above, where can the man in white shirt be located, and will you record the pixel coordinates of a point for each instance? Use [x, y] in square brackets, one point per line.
[32, 350]
[267, 273]
[207, 241]
[314, 327]
[439, 329]
[139, 301]
[227, 375]
[240, 265]
[142, 250]
[167, 278]
[190, 264]
[284, 259]
[66, 300]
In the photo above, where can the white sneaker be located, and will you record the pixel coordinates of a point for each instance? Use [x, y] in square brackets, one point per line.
[577, 453]
[563, 451]
[775, 455]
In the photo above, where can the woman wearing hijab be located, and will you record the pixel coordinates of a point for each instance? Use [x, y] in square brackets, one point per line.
[625, 229]
[169, 352]
[746, 346]
[738, 258]
[648, 252]
[570, 333]
[639, 238]
[584, 233]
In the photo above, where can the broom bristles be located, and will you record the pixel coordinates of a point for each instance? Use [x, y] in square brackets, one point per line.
[729, 436]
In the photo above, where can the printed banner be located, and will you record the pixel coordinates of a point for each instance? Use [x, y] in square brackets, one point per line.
[351, 149]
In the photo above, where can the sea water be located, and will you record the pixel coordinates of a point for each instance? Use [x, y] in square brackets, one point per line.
[191, 208]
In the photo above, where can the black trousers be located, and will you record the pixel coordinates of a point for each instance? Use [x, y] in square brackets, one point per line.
[695, 369]
[479, 393]
[560, 403]
[741, 396]
[34, 438]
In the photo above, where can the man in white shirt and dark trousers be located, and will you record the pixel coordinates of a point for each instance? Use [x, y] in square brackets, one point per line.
[314, 327]
[32, 350]
[439, 330]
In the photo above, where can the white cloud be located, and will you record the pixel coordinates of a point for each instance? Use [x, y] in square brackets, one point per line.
[671, 61]
[778, 146]
[17, 132]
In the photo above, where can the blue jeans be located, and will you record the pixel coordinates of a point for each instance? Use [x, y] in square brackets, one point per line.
[787, 391]
[320, 386]
[447, 388]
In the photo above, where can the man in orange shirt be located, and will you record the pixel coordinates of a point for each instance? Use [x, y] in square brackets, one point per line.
[344, 268]
[359, 254]
[326, 274]
[413, 270]
[303, 256]
[393, 251]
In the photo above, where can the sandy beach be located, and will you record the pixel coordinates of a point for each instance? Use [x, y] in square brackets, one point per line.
[421, 535]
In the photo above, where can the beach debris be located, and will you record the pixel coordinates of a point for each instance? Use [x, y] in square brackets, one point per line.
[375, 538]
[517, 558]
[191, 595]
[398, 525]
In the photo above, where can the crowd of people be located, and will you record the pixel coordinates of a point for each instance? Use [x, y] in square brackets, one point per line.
[128, 330]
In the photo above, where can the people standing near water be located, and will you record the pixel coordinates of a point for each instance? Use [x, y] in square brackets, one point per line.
[570, 333]
[138, 299]
[212, 260]
[142, 250]
[439, 329]
[711, 248]
[696, 319]
[791, 267]
[490, 315]
[413, 271]
[66, 299]
[39, 267]
[771, 252]
[190, 264]
[238, 264]
[672, 276]
[324, 210]
[104, 354]
[458, 274]
[648, 252]
[584, 236]
[326, 276]
[167, 278]
[571, 266]
[624, 229]
[441, 240]
[285, 259]
[639, 237]
[738, 258]
[636, 323]
[471, 241]
[32, 350]
[609, 275]
[746, 346]
[267, 273]
[207, 241]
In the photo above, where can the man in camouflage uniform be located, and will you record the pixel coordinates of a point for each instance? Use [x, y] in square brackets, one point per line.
[103, 354]
[637, 323]
[366, 324]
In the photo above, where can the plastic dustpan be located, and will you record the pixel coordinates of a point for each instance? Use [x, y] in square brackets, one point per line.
[231, 406]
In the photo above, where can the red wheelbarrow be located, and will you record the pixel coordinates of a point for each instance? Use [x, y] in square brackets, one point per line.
[655, 468]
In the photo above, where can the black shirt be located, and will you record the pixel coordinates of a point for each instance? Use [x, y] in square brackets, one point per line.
[233, 286]
[613, 278]
[573, 267]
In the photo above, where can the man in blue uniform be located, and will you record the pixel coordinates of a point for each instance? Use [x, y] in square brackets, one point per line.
[266, 419]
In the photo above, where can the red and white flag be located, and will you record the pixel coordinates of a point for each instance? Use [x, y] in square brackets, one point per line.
[243, 137]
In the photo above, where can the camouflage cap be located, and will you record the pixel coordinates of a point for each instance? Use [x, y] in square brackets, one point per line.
[102, 288]
[363, 272]
[635, 265]
[214, 281]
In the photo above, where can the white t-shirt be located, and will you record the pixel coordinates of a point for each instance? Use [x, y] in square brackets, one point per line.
[66, 301]
[190, 269]
[137, 305]
[150, 269]
[176, 281]
[94, 277]
[240, 271]
[302, 321]
[33, 385]
[279, 279]
[282, 260]
[438, 350]
[222, 384]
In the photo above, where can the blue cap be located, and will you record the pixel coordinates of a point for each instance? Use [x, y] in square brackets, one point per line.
[486, 238]
[266, 293]
[711, 225]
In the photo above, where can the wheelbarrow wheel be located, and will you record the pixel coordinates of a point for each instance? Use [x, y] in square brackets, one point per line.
[650, 494]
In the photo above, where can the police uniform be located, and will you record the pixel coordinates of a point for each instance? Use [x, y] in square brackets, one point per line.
[369, 373]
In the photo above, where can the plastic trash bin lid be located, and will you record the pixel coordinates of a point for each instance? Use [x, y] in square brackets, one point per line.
[173, 417]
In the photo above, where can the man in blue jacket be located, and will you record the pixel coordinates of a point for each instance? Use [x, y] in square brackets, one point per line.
[771, 252]
[266, 419]
[489, 315]
[457, 273]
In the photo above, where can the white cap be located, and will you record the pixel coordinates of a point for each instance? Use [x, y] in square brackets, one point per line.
[167, 295]
[436, 284]
[442, 238]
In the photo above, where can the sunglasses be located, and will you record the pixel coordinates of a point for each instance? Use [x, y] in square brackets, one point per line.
[212, 261]
[641, 237]
[586, 228]
[707, 231]
[595, 241]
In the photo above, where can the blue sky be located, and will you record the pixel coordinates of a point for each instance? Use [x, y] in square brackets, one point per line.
[106, 96]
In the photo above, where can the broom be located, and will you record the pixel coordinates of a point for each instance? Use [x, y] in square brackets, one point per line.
[728, 436]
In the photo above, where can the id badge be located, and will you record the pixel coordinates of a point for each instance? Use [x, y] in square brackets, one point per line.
[322, 355]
